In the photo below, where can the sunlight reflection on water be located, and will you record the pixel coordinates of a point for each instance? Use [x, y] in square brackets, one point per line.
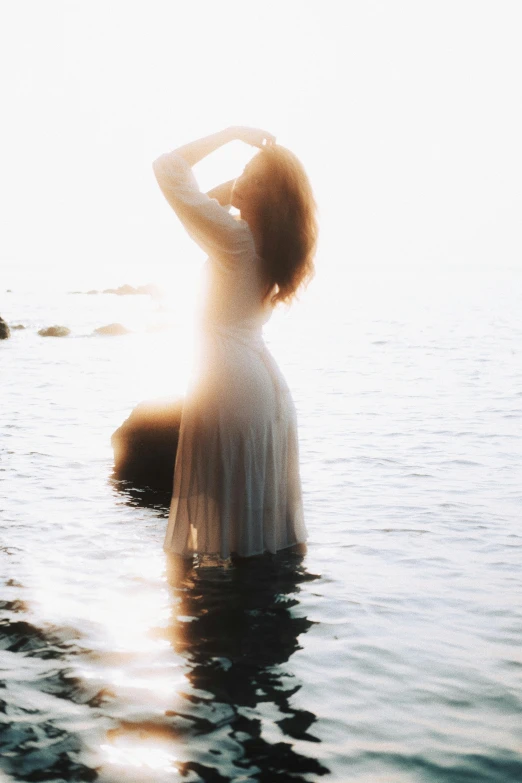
[133, 752]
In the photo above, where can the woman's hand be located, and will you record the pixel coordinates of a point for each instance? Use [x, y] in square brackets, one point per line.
[196, 150]
[253, 136]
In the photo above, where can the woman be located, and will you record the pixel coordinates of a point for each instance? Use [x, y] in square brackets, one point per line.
[237, 488]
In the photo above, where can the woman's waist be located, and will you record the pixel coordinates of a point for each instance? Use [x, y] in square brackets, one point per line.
[233, 330]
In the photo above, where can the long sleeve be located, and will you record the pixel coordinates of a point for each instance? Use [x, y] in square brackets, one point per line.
[215, 230]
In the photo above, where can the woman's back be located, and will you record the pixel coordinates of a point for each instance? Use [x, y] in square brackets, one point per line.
[233, 294]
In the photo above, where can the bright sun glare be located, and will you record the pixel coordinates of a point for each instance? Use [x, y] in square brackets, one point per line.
[405, 122]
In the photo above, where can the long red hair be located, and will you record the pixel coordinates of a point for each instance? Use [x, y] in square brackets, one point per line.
[287, 219]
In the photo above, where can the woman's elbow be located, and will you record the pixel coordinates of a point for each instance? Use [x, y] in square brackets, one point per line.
[170, 170]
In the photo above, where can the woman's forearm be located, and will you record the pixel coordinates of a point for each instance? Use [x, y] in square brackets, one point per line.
[223, 192]
[194, 151]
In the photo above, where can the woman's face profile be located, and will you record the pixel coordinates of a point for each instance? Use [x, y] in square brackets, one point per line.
[250, 186]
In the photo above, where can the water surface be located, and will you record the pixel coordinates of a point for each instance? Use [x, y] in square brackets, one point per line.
[392, 651]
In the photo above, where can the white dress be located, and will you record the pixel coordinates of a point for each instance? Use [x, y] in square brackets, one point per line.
[237, 487]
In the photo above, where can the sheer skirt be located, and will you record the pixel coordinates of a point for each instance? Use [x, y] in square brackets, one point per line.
[237, 485]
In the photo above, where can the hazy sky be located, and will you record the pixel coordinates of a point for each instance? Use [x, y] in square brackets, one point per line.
[407, 116]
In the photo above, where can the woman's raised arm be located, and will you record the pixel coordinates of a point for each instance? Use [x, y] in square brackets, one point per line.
[206, 220]
[194, 151]
[222, 193]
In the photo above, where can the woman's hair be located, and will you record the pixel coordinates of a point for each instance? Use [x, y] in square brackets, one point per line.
[288, 224]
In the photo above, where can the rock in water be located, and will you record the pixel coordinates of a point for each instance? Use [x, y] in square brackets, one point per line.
[112, 329]
[4, 330]
[126, 290]
[54, 331]
[129, 290]
[122, 290]
[145, 445]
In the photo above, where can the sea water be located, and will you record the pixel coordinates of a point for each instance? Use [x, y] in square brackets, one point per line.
[391, 652]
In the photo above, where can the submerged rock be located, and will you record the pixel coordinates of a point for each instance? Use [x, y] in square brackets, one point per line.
[54, 331]
[4, 330]
[145, 445]
[112, 329]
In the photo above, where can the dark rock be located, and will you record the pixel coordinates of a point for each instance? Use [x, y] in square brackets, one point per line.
[54, 331]
[112, 329]
[145, 445]
[17, 326]
[4, 330]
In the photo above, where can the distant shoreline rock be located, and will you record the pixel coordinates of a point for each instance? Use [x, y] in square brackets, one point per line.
[128, 290]
[123, 290]
[4, 330]
[54, 331]
[112, 330]
[17, 326]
